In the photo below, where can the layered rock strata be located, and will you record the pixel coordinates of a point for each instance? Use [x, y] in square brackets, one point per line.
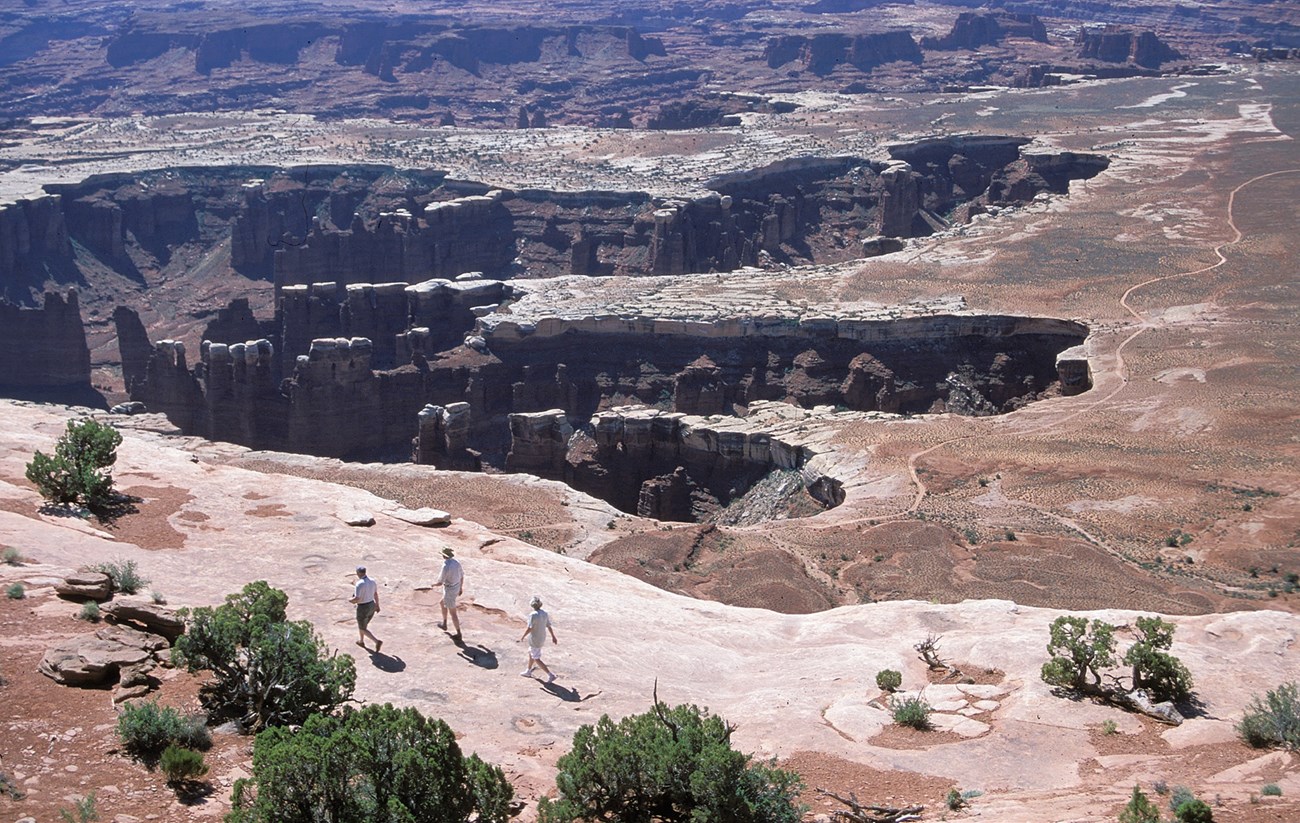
[33, 245]
[364, 225]
[334, 402]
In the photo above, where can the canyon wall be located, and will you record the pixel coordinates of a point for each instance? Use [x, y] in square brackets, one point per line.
[352, 225]
[335, 402]
[34, 246]
[44, 348]
[823, 53]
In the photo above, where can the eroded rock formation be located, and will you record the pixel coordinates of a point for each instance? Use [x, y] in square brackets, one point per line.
[974, 29]
[43, 352]
[1118, 45]
[823, 53]
[33, 244]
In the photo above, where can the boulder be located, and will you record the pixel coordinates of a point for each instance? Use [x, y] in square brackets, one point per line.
[86, 586]
[134, 638]
[88, 661]
[356, 517]
[154, 618]
[422, 517]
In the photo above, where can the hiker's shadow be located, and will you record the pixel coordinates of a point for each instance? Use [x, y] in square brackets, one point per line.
[566, 694]
[387, 663]
[480, 656]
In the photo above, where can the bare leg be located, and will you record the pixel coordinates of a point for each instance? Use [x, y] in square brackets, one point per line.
[550, 676]
[455, 619]
[443, 624]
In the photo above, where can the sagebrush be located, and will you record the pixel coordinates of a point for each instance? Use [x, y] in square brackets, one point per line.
[124, 575]
[912, 711]
[1273, 721]
[182, 765]
[147, 728]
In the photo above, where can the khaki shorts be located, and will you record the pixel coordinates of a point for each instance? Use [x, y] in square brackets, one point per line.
[365, 611]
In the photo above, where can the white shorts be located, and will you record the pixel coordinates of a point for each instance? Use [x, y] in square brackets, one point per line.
[534, 652]
[449, 597]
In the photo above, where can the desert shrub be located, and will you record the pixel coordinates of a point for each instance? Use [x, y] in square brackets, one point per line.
[1271, 790]
[888, 680]
[1079, 651]
[1109, 727]
[1194, 811]
[667, 764]
[77, 472]
[911, 711]
[124, 574]
[1179, 796]
[1154, 669]
[379, 763]
[182, 765]
[147, 729]
[16, 591]
[89, 612]
[1140, 809]
[11, 556]
[1273, 721]
[268, 671]
[957, 800]
[83, 811]
[157, 598]
[9, 787]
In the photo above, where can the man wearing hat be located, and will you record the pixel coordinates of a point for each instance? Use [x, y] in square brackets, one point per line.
[366, 595]
[452, 580]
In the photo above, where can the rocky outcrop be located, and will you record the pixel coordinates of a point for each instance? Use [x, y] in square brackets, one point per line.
[155, 211]
[95, 660]
[170, 387]
[334, 402]
[44, 348]
[673, 466]
[1116, 45]
[150, 618]
[133, 348]
[823, 53]
[85, 585]
[974, 29]
[450, 237]
[539, 442]
[33, 244]
[443, 438]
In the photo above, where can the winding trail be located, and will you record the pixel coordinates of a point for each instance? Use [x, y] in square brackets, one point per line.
[1145, 324]
[1121, 368]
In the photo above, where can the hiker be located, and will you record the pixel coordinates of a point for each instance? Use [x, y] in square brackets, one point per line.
[366, 595]
[452, 580]
[539, 623]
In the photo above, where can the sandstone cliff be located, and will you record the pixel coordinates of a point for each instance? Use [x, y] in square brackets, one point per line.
[43, 352]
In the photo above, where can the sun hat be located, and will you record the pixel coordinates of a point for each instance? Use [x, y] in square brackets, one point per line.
[447, 551]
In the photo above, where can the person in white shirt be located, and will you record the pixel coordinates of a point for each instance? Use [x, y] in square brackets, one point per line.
[452, 580]
[539, 623]
[366, 595]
